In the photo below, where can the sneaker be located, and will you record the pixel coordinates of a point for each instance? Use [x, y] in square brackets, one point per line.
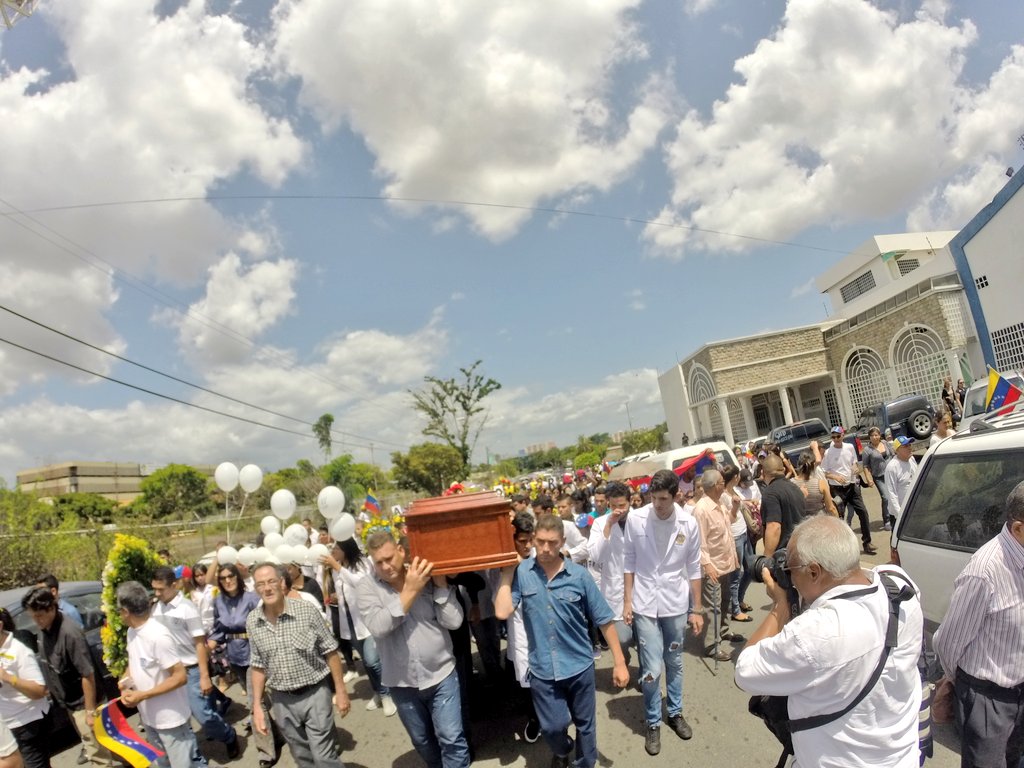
[532, 730]
[389, 706]
[562, 761]
[597, 652]
[349, 676]
[680, 727]
[888, 526]
[373, 703]
[234, 750]
[652, 741]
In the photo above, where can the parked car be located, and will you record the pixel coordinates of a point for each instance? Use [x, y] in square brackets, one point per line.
[956, 504]
[910, 415]
[974, 400]
[797, 437]
[86, 597]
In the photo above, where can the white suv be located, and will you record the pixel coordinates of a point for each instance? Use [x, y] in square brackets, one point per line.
[957, 503]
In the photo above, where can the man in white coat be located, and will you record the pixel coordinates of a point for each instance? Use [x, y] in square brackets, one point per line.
[606, 554]
[661, 562]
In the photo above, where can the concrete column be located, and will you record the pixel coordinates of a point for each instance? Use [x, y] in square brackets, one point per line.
[748, 416]
[787, 412]
[695, 423]
[798, 398]
[894, 384]
[723, 409]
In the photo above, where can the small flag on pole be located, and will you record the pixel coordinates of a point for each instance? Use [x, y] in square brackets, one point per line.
[1001, 393]
[371, 505]
[113, 732]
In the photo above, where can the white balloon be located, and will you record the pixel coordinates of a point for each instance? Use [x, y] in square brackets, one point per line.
[308, 558]
[282, 504]
[272, 541]
[317, 551]
[330, 502]
[227, 555]
[250, 477]
[263, 554]
[296, 534]
[343, 528]
[270, 524]
[247, 555]
[286, 553]
[226, 476]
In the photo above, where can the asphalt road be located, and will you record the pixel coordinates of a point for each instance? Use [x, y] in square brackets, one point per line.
[724, 734]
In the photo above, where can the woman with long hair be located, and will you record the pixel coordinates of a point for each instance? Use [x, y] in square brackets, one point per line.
[202, 593]
[231, 607]
[730, 502]
[817, 496]
[351, 566]
[875, 456]
[23, 701]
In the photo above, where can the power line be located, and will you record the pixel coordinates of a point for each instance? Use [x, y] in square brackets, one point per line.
[435, 201]
[199, 387]
[169, 301]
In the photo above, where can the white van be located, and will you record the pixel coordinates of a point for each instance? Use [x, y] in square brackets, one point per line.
[672, 459]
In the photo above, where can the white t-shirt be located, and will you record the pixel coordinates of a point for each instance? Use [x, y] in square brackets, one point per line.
[664, 532]
[16, 708]
[840, 461]
[8, 744]
[151, 656]
[182, 621]
[202, 599]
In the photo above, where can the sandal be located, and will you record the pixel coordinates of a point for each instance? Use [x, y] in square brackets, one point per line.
[741, 617]
[746, 608]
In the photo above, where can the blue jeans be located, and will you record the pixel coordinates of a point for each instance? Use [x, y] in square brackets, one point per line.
[433, 718]
[741, 580]
[367, 649]
[178, 745]
[204, 710]
[559, 702]
[660, 642]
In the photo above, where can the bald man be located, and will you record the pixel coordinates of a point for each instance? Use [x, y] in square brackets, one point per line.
[782, 505]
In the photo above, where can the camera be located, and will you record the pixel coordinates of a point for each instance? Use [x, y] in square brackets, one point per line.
[777, 566]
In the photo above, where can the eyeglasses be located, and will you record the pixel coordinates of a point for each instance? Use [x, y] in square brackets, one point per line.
[791, 568]
[226, 576]
[268, 583]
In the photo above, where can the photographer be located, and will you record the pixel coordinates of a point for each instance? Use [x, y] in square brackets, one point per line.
[835, 653]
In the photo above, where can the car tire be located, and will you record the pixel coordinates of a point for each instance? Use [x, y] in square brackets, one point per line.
[919, 425]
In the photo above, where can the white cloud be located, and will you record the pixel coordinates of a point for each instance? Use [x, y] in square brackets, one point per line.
[697, 7]
[802, 290]
[636, 300]
[844, 114]
[484, 102]
[457, 296]
[239, 301]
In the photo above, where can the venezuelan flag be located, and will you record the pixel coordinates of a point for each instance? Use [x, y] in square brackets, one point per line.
[371, 504]
[113, 732]
[1001, 393]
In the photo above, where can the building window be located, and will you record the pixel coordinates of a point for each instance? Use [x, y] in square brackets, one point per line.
[919, 357]
[702, 388]
[906, 264]
[1008, 346]
[981, 282]
[857, 287]
[865, 379]
[832, 406]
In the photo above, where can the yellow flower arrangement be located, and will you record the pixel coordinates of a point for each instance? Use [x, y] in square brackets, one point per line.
[130, 559]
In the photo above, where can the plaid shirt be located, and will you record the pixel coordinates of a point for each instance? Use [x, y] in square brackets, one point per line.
[292, 651]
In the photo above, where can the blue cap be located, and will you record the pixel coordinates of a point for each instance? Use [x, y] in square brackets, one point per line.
[903, 440]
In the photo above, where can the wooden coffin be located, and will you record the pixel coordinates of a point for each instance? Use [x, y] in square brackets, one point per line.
[464, 532]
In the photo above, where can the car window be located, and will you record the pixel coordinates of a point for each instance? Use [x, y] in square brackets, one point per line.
[869, 418]
[961, 501]
[974, 402]
[89, 607]
[23, 620]
[815, 429]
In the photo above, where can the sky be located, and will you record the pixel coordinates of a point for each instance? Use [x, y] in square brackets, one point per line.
[308, 205]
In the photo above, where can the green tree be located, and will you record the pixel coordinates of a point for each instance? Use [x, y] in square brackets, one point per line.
[22, 557]
[89, 507]
[642, 440]
[453, 409]
[586, 460]
[427, 467]
[177, 490]
[353, 477]
[322, 430]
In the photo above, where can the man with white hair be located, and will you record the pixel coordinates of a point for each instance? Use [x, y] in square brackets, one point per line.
[718, 559]
[842, 659]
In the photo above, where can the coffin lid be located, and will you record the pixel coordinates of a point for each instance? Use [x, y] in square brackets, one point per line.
[460, 502]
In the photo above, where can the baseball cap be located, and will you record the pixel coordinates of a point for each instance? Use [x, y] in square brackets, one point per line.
[903, 440]
[838, 431]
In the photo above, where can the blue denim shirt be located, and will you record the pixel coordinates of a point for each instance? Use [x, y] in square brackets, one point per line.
[555, 613]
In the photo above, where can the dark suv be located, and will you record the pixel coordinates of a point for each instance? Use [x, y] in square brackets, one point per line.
[910, 415]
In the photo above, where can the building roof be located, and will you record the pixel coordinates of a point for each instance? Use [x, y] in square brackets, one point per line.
[864, 253]
[823, 326]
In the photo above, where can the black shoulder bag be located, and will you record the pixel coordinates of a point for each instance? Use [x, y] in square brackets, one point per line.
[774, 710]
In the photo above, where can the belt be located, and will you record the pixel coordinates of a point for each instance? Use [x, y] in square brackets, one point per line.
[303, 688]
[238, 636]
[988, 688]
[191, 666]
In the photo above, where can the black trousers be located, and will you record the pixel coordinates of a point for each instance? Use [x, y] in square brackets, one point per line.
[32, 741]
[850, 494]
[991, 719]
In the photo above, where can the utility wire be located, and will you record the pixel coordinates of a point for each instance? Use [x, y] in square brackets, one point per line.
[201, 388]
[180, 308]
[433, 201]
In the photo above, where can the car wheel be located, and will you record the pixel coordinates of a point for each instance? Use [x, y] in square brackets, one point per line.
[919, 425]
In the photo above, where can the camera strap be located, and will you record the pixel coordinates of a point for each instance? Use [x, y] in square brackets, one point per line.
[897, 594]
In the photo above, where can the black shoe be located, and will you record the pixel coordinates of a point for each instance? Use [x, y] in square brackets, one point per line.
[267, 763]
[652, 741]
[682, 728]
[562, 761]
[234, 750]
[532, 730]
[870, 550]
